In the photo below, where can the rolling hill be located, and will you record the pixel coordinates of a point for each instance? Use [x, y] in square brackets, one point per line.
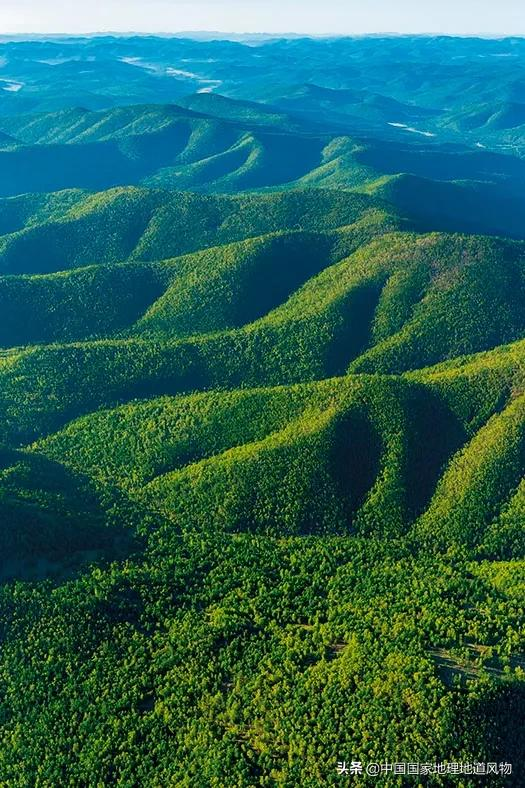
[217, 145]
[151, 224]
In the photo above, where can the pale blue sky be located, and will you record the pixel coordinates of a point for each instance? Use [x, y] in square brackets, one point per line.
[308, 16]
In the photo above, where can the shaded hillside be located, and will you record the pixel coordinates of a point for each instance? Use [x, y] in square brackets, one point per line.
[227, 146]
[53, 520]
[274, 310]
[147, 225]
[167, 144]
[460, 206]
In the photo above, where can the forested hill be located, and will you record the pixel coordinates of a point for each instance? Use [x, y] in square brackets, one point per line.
[262, 411]
[238, 147]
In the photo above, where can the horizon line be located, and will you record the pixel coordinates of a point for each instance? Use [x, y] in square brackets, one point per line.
[261, 33]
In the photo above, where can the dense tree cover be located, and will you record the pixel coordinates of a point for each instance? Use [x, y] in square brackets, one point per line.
[398, 303]
[459, 205]
[244, 587]
[156, 144]
[214, 144]
[228, 146]
[150, 224]
[77, 304]
[54, 520]
[262, 455]
[310, 458]
[255, 661]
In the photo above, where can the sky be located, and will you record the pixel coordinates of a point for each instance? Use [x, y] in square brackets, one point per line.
[271, 16]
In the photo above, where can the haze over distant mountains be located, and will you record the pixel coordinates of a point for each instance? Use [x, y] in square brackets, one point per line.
[466, 90]
[224, 116]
